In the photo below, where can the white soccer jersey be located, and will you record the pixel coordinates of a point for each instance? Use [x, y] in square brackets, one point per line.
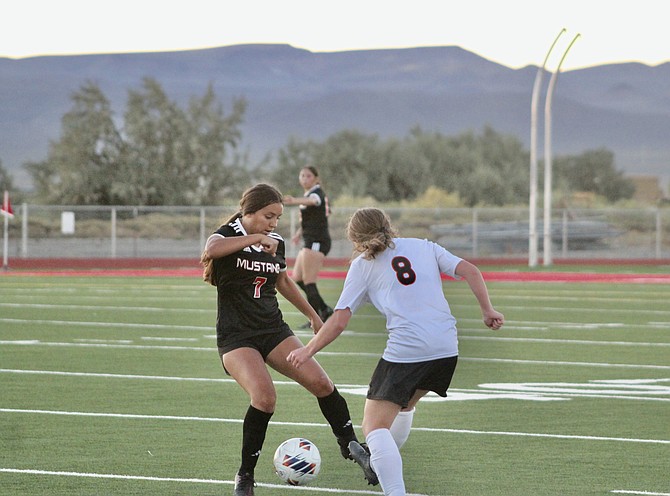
[404, 284]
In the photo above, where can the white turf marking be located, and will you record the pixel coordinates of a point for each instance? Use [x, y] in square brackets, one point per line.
[638, 390]
[625, 311]
[645, 493]
[564, 341]
[313, 424]
[100, 308]
[127, 376]
[357, 334]
[558, 362]
[73, 323]
[511, 325]
[37, 342]
[174, 479]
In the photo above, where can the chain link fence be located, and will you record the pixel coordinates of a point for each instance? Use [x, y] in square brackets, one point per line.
[48, 231]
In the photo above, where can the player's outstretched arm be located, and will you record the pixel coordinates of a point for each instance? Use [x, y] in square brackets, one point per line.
[332, 328]
[289, 290]
[473, 276]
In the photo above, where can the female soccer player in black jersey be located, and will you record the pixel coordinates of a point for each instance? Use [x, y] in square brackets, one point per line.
[314, 211]
[246, 262]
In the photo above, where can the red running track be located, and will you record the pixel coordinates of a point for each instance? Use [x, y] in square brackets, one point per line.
[511, 276]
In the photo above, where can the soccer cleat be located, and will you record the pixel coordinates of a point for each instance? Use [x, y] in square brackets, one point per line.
[361, 455]
[244, 485]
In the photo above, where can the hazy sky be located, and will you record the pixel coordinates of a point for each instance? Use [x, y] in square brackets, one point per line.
[515, 33]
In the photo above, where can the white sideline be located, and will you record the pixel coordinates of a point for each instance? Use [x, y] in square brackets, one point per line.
[37, 342]
[645, 493]
[195, 480]
[314, 424]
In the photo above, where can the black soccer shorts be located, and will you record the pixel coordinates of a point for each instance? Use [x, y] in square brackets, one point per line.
[397, 382]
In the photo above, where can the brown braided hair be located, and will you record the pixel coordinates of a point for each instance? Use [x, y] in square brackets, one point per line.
[370, 230]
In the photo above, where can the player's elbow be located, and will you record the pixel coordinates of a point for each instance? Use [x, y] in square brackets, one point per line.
[467, 270]
[340, 319]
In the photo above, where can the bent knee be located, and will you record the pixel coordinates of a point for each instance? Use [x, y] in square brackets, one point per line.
[265, 403]
[322, 386]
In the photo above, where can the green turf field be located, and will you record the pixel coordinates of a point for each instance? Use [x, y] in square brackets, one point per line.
[112, 386]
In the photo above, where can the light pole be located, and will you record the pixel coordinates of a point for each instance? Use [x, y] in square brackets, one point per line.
[532, 203]
[547, 259]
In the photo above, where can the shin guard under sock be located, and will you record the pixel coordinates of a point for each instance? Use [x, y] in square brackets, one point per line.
[336, 411]
[386, 462]
[253, 435]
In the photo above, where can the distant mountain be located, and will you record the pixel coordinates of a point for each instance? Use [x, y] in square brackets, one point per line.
[294, 92]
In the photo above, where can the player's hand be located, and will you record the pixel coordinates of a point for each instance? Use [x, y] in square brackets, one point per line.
[298, 357]
[269, 245]
[316, 324]
[494, 320]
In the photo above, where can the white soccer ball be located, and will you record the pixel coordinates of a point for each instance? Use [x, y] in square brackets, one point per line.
[297, 461]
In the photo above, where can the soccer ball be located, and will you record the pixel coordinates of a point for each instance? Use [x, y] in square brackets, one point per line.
[297, 461]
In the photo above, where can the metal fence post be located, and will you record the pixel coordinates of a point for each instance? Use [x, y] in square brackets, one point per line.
[659, 233]
[475, 235]
[113, 232]
[24, 230]
[564, 239]
[202, 229]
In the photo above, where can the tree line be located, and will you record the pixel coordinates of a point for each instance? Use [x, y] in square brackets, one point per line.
[164, 153]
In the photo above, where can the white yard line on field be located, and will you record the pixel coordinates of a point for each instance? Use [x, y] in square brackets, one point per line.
[353, 333]
[37, 342]
[503, 390]
[644, 493]
[73, 323]
[99, 308]
[561, 363]
[312, 424]
[590, 310]
[191, 480]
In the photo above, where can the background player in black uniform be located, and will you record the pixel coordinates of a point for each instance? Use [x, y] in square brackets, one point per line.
[246, 262]
[314, 213]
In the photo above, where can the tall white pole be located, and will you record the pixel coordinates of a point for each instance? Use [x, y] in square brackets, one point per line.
[532, 202]
[547, 257]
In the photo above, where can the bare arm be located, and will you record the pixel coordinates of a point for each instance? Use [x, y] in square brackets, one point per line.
[472, 275]
[328, 333]
[300, 200]
[289, 290]
[218, 246]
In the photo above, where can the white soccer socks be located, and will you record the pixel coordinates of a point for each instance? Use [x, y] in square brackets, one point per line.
[401, 427]
[386, 461]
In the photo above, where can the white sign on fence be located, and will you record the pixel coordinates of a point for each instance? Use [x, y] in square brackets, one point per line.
[67, 222]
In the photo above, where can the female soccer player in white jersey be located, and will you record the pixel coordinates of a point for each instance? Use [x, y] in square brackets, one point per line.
[401, 277]
[244, 259]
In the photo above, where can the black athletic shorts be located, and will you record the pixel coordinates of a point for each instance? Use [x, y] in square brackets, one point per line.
[397, 382]
[263, 343]
[317, 244]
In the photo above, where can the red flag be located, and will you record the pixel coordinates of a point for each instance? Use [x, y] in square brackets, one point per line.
[7, 207]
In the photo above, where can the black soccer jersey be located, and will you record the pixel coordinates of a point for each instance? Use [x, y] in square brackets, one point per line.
[246, 286]
[314, 218]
